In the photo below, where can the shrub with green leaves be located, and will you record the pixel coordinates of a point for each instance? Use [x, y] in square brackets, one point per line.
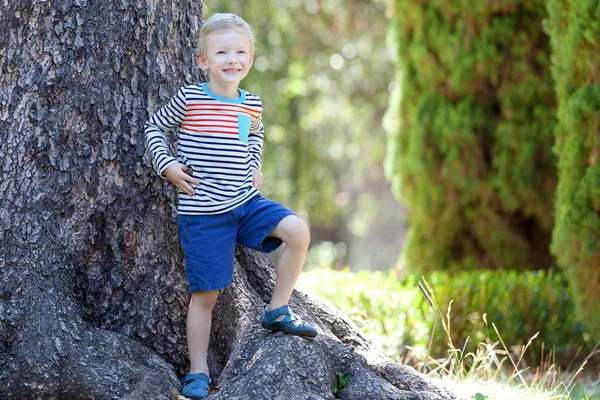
[519, 304]
[471, 153]
[396, 316]
[574, 27]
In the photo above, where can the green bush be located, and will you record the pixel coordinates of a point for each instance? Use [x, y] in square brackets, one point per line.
[395, 315]
[519, 304]
[471, 152]
[574, 27]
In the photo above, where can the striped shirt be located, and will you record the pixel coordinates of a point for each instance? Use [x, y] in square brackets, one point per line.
[221, 138]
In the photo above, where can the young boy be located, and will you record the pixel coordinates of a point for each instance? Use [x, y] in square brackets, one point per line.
[217, 172]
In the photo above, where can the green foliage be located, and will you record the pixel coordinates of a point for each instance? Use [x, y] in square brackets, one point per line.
[519, 304]
[471, 150]
[341, 381]
[574, 28]
[395, 315]
[580, 393]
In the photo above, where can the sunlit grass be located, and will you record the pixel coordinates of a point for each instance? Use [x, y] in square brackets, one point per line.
[493, 373]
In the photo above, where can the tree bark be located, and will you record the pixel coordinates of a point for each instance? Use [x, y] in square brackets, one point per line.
[93, 296]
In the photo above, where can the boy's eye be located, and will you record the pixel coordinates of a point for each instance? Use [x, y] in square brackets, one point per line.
[220, 52]
[241, 52]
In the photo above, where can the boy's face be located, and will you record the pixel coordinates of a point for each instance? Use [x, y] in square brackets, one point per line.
[228, 58]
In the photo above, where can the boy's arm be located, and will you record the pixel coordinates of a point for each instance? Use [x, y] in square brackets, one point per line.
[169, 116]
[255, 143]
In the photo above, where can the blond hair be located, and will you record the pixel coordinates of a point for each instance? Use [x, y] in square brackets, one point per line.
[222, 22]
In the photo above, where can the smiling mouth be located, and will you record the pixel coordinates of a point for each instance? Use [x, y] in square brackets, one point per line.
[231, 70]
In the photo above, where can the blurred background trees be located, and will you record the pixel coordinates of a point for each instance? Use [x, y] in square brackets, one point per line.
[472, 154]
[574, 28]
[473, 158]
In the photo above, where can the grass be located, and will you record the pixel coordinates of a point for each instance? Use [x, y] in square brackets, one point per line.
[493, 371]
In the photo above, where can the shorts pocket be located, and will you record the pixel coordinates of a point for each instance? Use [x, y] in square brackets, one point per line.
[244, 122]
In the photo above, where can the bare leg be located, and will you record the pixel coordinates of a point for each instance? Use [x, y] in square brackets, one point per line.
[199, 320]
[295, 233]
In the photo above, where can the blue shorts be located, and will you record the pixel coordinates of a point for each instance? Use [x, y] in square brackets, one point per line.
[209, 241]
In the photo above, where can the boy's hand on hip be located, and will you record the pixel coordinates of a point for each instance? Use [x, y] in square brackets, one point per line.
[176, 174]
[257, 178]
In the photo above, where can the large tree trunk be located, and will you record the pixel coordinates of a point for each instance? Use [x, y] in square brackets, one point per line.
[92, 292]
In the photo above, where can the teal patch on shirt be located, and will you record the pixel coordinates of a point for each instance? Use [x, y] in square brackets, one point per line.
[244, 121]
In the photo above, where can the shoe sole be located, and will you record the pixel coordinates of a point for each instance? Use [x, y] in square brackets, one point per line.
[194, 397]
[276, 328]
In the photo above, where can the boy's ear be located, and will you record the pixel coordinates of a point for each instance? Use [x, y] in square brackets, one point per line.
[202, 62]
[251, 60]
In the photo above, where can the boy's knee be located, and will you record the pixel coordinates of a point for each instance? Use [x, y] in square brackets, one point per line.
[298, 233]
[205, 300]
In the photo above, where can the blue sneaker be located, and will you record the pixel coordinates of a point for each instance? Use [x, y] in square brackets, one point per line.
[291, 323]
[195, 386]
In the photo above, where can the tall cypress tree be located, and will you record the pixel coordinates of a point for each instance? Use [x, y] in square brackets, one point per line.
[472, 156]
[574, 28]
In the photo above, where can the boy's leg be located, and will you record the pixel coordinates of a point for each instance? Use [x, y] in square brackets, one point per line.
[199, 320]
[264, 226]
[295, 234]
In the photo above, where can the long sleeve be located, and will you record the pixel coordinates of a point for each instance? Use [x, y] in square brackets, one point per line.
[255, 143]
[169, 116]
